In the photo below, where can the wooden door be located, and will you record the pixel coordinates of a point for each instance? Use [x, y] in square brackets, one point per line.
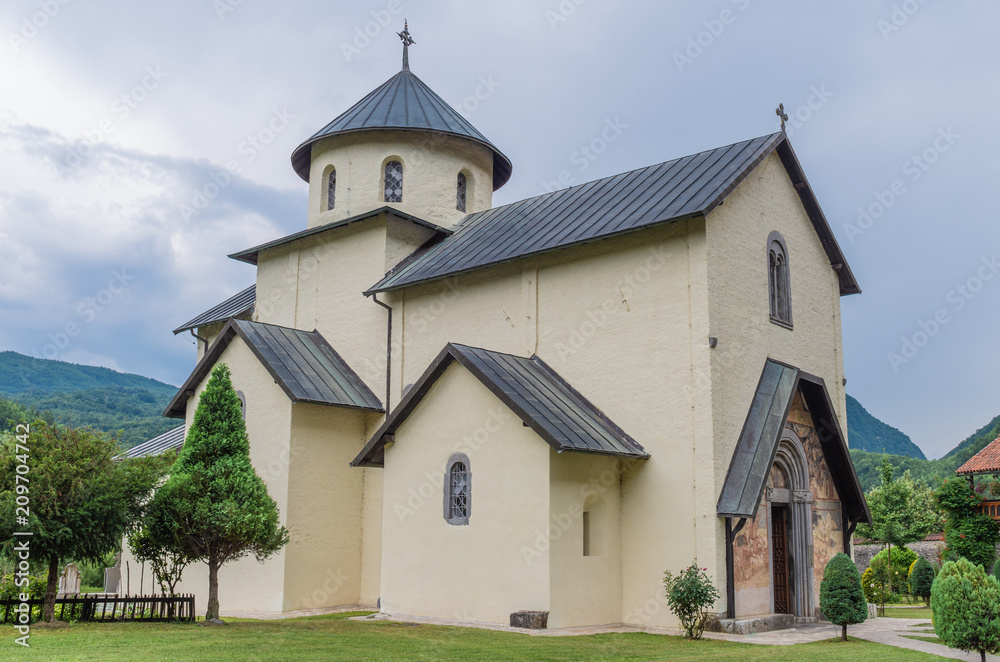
[779, 557]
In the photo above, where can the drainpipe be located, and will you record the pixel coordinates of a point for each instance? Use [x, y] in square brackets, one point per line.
[730, 569]
[388, 352]
[198, 339]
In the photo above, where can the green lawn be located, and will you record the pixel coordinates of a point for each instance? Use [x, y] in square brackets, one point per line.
[911, 612]
[335, 638]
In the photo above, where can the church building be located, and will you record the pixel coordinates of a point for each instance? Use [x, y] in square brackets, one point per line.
[466, 411]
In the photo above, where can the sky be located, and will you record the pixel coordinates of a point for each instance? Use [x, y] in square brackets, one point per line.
[118, 120]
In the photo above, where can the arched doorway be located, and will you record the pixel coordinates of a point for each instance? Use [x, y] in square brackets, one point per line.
[789, 503]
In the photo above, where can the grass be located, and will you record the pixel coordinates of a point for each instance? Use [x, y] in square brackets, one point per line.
[908, 612]
[336, 638]
[933, 640]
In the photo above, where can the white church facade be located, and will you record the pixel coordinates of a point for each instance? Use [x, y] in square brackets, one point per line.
[466, 411]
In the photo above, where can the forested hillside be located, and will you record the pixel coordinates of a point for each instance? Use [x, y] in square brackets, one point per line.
[125, 405]
[867, 433]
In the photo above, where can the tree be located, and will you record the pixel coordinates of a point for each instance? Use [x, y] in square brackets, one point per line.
[896, 576]
[214, 505]
[966, 605]
[165, 557]
[82, 498]
[968, 532]
[921, 579]
[689, 596]
[903, 511]
[840, 596]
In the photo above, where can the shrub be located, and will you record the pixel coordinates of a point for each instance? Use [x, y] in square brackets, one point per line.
[690, 594]
[966, 605]
[902, 558]
[840, 596]
[967, 532]
[996, 569]
[921, 579]
[871, 584]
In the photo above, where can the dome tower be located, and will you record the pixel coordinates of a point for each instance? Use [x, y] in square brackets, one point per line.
[401, 146]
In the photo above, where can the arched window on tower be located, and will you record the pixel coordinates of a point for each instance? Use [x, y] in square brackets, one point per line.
[458, 490]
[779, 285]
[393, 181]
[331, 190]
[463, 189]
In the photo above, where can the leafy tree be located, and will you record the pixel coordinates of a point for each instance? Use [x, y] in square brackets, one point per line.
[214, 505]
[165, 557]
[896, 576]
[82, 497]
[921, 579]
[966, 605]
[689, 595]
[903, 511]
[840, 596]
[968, 532]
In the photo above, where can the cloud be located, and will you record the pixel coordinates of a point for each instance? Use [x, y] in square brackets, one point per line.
[98, 261]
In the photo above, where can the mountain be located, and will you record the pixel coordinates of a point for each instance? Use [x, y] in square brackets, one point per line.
[932, 471]
[867, 433]
[125, 405]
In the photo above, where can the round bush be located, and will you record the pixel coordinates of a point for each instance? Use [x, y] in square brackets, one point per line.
[966, 605]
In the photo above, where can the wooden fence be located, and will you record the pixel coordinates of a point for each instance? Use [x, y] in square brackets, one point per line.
[146, 608]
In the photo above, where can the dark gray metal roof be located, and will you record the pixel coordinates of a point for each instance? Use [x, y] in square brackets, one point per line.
[687, 187]
[402, 102]
[237, 305]
[302, 363]
[250, 255]
[171, 439]
[758, 443]
[532, 390]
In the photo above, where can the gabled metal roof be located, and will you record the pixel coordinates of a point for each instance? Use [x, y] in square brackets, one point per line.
[403, 102]
[758, 443]
[688, 187]
[237, 305]
[302, 363]
[531, 389]
[173, 438]
[250, 255]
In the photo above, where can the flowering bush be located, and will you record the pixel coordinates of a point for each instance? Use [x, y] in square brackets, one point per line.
[690, 594]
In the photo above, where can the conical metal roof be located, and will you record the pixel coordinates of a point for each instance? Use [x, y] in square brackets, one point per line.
[402, 102]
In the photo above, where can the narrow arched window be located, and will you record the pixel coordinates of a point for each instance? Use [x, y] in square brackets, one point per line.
[779, 285]
[243, 404]
[463, 189]
[331, 190]
[458, 490]
[393, 181]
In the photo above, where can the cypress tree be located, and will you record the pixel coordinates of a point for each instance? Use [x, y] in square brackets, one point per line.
[840, 596]
[214, 503]
[966, 605]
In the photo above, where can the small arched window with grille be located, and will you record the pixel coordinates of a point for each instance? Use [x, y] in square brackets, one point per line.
[458, 490]
[331, 190]
[779, 285]
[463, 190]
[393, 181]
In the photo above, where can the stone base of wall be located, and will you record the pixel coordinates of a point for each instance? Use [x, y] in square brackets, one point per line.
[530, 620]
[752, 624]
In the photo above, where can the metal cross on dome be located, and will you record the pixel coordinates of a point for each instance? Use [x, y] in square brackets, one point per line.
[407, 42]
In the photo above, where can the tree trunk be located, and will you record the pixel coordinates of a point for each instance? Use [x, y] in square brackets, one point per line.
[51, 587]
[213, 587]
[982, 655]
[843, 632]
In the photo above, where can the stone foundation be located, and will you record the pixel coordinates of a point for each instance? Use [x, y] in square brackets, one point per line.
[752, 624]
[530, 620]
